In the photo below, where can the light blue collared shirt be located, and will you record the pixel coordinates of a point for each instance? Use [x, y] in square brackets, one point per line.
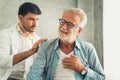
[48, 57]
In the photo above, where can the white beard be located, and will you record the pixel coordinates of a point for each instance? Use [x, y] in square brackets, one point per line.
[66, 37]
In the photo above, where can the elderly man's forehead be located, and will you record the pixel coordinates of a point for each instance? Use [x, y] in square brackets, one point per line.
[71, 16]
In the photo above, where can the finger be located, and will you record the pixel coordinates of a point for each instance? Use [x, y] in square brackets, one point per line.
[68, 67]
[66, 60]
[73, 56]
[66, 63]
[42, 40]
[66, 57]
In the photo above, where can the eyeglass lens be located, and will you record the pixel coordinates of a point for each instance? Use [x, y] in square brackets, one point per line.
[69, 24]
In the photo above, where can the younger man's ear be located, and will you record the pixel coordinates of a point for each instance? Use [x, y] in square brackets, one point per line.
[20, 17]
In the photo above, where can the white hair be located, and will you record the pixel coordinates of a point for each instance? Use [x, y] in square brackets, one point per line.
[80, 13]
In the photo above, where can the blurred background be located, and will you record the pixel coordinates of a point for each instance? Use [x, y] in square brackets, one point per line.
[111, 39]
[98, 31]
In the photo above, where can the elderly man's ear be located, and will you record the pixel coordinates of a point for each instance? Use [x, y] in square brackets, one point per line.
[80, 30]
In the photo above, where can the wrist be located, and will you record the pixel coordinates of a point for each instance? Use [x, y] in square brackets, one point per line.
[84, 71]
[31, 51]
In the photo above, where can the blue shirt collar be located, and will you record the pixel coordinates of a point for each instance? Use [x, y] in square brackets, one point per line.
[77, 44]
[56, 44]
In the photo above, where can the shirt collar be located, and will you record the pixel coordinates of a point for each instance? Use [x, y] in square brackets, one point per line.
[56, 44]
[77, 44]
[31, 35]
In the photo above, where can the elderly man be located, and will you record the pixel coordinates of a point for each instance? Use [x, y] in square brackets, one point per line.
[67, 57]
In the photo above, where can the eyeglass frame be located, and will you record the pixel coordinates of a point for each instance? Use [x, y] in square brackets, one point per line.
[67, 23]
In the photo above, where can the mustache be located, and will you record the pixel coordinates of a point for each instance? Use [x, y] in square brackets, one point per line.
[32, 26]
[64, 31]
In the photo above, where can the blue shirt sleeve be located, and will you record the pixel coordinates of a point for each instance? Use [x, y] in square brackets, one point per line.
[36, 71]
[95, 71]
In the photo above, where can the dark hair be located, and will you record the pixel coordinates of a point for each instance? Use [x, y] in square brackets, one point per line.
[28, 7]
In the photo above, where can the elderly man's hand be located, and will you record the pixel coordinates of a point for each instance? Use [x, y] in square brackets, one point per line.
[73, 62]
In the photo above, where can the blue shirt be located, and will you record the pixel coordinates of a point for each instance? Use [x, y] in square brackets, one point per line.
[48, 57]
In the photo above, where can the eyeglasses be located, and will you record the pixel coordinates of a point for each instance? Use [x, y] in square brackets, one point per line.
[69, 24]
